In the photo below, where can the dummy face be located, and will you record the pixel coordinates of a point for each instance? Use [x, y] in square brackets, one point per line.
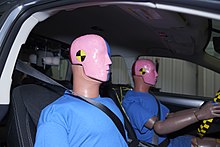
[92, 52]
[151, 75]
[147, 70]
[100, 64]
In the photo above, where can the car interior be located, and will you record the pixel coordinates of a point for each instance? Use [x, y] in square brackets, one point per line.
[132, 31]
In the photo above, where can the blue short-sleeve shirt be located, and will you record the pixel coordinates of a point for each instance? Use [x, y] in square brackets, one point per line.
[140, 107]
[70, 122]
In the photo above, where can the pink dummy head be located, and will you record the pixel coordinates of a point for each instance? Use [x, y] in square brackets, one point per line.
[146, 69]
[93, 53]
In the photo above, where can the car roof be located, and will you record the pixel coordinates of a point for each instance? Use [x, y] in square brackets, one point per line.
[142, 29]
[156, 28]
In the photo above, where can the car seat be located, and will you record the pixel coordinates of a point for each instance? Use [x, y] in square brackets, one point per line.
[27, 101]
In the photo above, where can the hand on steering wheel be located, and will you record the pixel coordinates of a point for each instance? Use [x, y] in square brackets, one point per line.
[209, 110]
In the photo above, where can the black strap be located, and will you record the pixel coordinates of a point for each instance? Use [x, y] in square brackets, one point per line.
[27, 69]
[158, 113]
[155, 136]
[166, 141]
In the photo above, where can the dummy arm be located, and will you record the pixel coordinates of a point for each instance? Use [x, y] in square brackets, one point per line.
[183, 119]
[183, 112]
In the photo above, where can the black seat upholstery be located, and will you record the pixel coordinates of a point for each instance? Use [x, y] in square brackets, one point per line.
[26, 104]
[3, 110]
[116, 92]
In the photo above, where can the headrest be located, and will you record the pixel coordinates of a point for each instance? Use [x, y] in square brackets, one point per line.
[51, 60]
[33, 58]
[42, 54]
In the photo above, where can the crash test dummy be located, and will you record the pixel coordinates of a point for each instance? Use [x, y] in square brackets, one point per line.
[71, 122]
[142, 108]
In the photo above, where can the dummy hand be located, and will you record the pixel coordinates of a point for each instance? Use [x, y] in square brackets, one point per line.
[209, 110]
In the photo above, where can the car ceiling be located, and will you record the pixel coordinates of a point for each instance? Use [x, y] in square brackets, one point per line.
[136, 30]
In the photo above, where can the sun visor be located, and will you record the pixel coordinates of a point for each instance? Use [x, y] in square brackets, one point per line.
[179, 41]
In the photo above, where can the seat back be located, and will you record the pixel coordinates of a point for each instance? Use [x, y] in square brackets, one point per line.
[116, 92]
[27, 101]
[3, 111]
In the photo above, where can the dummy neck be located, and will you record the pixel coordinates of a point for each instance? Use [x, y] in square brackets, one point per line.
[140, 85]
[83, 85]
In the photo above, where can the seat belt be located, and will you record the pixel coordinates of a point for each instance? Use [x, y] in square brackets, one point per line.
[27, 69]
[155, 138]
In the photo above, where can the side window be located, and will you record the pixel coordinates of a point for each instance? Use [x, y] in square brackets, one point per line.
[119, 71]
[208, 82]
[182, 77]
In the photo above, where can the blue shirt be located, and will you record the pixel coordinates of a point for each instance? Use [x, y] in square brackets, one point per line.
[140, 107]
[71, 122]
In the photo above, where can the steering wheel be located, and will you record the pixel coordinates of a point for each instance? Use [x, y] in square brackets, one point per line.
[210, 127]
